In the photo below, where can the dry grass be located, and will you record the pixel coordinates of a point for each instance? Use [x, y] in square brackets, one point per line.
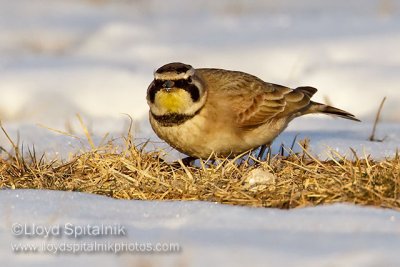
[292, 181]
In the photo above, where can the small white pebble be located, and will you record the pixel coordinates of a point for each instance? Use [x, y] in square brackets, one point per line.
[258, 179]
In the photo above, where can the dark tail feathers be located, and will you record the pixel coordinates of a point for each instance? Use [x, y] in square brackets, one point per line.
[321, 108]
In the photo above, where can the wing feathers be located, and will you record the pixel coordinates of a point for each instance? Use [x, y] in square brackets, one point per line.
[281, 102]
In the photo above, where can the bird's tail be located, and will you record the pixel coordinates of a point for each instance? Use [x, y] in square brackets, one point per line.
[325, 109]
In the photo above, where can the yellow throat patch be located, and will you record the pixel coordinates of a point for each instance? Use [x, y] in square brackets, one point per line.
[175, 101]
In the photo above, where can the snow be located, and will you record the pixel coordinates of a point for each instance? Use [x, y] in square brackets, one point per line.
[96, 58]
[209, 234]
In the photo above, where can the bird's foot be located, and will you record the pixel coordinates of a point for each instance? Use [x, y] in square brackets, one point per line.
[186, 162]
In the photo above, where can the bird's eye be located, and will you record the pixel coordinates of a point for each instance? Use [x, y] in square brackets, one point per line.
[168, 84]
[189, 80]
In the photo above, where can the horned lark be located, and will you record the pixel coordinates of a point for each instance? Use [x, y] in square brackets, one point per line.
[203, 112]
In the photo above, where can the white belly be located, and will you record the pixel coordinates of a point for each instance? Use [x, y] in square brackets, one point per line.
[195, 139]
[192, 138]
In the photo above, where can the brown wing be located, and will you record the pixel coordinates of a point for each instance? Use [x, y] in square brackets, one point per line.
[277, 103]
[254, 101]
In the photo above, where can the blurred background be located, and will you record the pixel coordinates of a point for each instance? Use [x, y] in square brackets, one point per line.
[97, 57]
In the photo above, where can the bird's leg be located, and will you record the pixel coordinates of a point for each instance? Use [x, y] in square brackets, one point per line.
[262, 151]
[188, 161]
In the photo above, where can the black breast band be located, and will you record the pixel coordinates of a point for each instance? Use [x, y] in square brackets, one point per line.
[173, 119]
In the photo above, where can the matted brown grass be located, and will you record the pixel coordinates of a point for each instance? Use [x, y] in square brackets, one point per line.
[292, 181]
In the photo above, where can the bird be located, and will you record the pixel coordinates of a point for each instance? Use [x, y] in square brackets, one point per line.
[211, 112]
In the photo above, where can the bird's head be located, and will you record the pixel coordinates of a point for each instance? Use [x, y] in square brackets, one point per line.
[176, 89]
